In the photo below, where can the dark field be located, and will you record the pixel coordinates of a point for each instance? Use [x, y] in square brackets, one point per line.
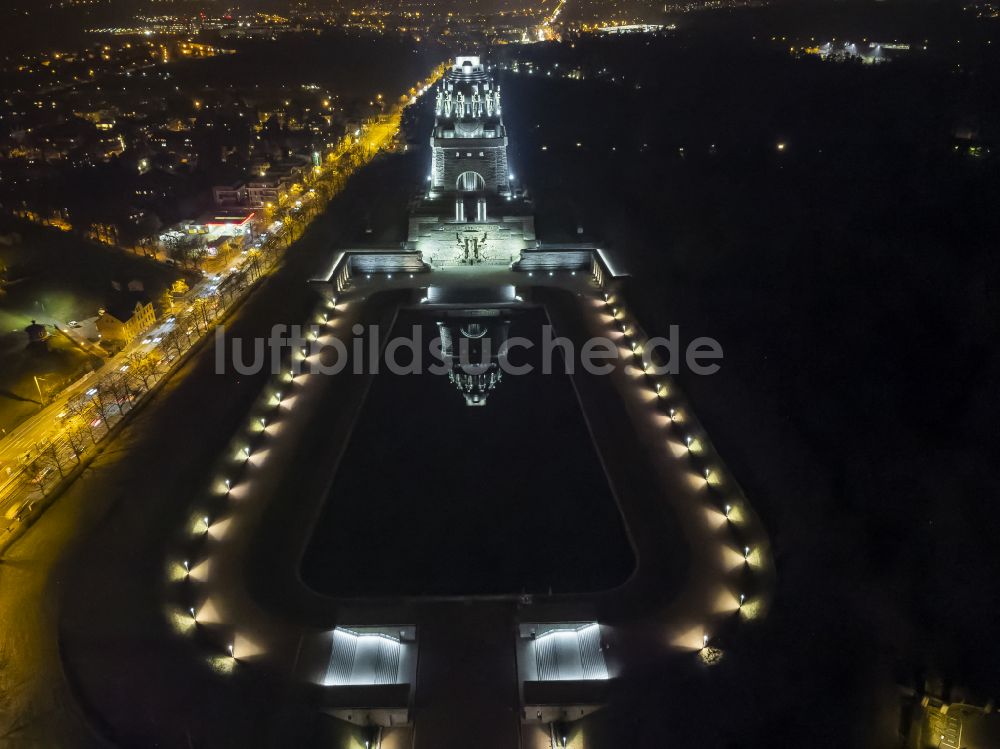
[436, 497]
[848, 278]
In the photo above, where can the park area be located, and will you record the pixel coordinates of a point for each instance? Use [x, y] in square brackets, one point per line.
[54, 279]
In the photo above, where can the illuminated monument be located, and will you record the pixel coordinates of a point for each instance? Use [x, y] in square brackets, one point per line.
[471, 213]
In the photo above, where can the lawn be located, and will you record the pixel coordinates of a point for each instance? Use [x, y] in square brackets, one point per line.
[54, 278]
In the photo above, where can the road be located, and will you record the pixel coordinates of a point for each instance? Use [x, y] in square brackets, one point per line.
[38, 709]
[21, 443]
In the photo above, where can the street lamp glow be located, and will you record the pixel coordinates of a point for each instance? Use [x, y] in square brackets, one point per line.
[207, 522]
[688, 440]
[728, 510]
[194, 615]
[746, 553]
[673, 413]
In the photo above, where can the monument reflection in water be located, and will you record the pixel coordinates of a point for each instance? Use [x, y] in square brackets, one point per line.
[453, 498]
[473, 344]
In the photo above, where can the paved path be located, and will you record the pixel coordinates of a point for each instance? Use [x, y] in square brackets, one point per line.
[467, 678]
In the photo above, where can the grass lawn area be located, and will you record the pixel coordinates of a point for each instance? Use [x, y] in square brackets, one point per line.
[54, 277]
[63, 277]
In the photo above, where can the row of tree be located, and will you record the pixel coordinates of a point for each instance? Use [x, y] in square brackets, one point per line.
[88, 417]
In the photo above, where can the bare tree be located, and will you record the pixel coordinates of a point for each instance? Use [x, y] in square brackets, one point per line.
[81, 408]
[115, 388]
[76, 432]
[101, 401]
[205, 308]
[49, 459]
[144, 366]
[175, 340]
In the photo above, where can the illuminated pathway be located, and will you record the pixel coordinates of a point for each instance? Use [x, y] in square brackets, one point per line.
[730, 572]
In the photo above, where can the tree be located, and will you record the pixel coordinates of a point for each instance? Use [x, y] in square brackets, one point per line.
[166, 303]
[101, 402]
[49, 459]
[144, 366]
[115, 387]
[253, 264]
[76, 433]
[82, 409]
[175, 339]
[205, 308]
